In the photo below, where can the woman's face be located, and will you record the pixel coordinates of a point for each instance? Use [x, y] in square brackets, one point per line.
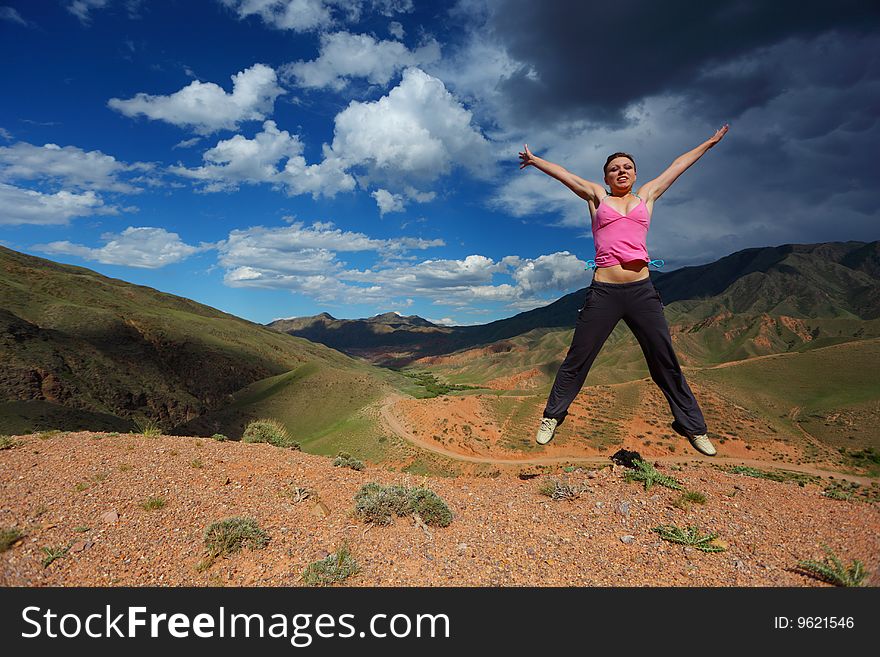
[620, 173]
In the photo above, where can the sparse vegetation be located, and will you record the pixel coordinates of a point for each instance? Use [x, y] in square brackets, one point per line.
[299, 493]
[229, 536]
[689, 536]
[433, 386]
[7, 442]
[148, 428]
[268, 431]
[379, 504]
[832, 570]
[648, 474]
[219, 437]
[8, 536]
[332, 569]
[197, 464]
[81, 529]
[53, 553]
[851, 491]
[777, 475]
[560, 489]
[689, 497]
[152, 503]
[345, 460]
[51, 433]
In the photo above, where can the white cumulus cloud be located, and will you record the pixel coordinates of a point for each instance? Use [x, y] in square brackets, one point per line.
[68, 165]
[557, 271]
[388, 202]
[143, 247]
[344, 56]
[418, 131]
[26, 206]
[304, 259]
[206, 107]
[310, 15]
[81, 8]
[273, 156]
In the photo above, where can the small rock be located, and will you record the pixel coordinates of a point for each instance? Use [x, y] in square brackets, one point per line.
[623, 508]
[462, 548]
[592, 474]
[654, 498]
[111, 517]
[320, 509]
[627, 539]
[79, 546]
[600, 504]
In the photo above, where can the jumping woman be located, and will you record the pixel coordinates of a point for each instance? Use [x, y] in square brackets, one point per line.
[622, 289]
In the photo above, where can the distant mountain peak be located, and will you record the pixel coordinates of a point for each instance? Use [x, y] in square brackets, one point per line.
[395, 317]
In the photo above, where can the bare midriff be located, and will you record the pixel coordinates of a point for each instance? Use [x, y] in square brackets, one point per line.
[625, 273]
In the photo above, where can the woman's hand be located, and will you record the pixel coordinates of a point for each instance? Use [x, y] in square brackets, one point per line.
[526, 157]
[719, 135]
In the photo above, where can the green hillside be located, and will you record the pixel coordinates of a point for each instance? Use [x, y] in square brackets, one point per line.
[81, 350]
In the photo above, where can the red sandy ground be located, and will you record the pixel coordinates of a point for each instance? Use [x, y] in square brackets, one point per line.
[504, 532]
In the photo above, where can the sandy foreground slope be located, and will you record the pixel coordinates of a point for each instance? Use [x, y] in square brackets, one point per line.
[86, 491]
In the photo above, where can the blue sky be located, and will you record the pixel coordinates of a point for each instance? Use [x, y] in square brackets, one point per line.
[279, 158]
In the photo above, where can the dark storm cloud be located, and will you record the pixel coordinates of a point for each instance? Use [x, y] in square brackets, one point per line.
[591, 60]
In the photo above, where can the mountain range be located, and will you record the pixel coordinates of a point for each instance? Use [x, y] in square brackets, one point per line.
[82, 350]
[823, 291]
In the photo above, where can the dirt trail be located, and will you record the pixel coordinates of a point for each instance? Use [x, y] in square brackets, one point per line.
[394, 424]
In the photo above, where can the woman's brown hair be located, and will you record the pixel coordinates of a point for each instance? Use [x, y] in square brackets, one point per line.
[616, 155]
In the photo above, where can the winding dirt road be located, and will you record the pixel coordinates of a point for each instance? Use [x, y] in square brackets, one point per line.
[393, 424]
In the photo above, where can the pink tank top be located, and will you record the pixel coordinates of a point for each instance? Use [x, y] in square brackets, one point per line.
[620, 238]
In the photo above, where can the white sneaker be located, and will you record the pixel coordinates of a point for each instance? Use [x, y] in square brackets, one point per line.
[702, 444]
[548, 428]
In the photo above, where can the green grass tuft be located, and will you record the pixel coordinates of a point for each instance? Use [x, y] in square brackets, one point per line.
[148, 428]
[229, 536]
[689, 536]
[781, 476]
[332, 569]
[648, 474]
[152, 503]
[832, 570]
[689, 497]
[345, 460]
[219, 437]
[53, 553]
[268, 431]
[379, 504]
[8, 536]
[560, 489]
[7, 442]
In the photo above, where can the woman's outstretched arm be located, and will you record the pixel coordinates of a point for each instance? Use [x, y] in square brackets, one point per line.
[653, 189]
[589, 191]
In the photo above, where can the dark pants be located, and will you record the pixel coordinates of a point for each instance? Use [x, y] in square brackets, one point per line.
[639, 305]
